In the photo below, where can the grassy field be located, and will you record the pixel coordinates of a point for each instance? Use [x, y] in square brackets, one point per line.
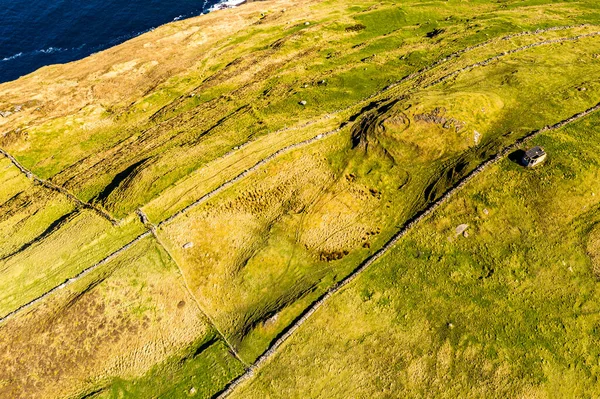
[116, 324]
[270, 150]
[509, 309]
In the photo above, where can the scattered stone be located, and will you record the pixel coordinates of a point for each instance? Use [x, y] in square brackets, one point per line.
[303, 103]
[581, 89]
[450, 325]
[437, 116]
[486, 212]
[307, 23]
[319, 136]
[356, 28]
[18, 108]
[188, 245]
[322, 82]
[236, 148]
[466, 234]
[477, 137]
[193, 95]
[272, 320]
[461, 229]
[5, 114]
[193, 391]
[369, 58]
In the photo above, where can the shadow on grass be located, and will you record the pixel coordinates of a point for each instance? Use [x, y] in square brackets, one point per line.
[517, 157]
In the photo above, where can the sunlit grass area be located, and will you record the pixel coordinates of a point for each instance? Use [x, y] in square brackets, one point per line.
[221, 174]
[509, 307]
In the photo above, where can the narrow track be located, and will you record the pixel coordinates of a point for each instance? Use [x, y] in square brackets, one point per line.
[406, 228]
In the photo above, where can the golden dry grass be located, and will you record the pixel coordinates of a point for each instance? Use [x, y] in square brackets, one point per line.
[160, 121]
[593, 249]
[118, 322]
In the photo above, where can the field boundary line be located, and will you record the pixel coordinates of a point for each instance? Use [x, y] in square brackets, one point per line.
[458, 53]
[73, 279]
[251, 169]
[414, 75]
[51, 186]
[511, 52]
[291, 147]
[406, 228]
[153, 229]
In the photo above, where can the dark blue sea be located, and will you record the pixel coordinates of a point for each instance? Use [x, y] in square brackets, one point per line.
[34, 33]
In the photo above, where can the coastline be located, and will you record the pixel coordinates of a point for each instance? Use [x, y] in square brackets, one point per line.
[227, 4]
[25, 58]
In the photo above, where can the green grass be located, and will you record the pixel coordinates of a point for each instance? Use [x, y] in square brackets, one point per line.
[202, 373]
[510, 310]
[208, 98]
[79, 243]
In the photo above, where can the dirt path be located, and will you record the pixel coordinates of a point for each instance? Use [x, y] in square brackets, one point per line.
[51, 186]
[308, 312]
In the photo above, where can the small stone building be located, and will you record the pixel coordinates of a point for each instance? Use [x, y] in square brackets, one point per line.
[534, 156]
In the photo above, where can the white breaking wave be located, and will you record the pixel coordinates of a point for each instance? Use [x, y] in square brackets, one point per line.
[48, 50]
[12, 57]
[226, 4]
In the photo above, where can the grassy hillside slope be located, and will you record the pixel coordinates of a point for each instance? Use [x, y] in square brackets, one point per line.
[172, 207]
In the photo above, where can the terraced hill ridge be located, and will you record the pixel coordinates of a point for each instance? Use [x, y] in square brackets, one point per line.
[313, 199]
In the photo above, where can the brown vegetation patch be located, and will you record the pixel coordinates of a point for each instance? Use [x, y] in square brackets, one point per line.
[329, 256]
[13, 137]
[593, 250]
[116, 325]
[356, 28]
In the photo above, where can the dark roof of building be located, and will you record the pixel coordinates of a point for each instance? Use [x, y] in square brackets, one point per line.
[535, 152]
